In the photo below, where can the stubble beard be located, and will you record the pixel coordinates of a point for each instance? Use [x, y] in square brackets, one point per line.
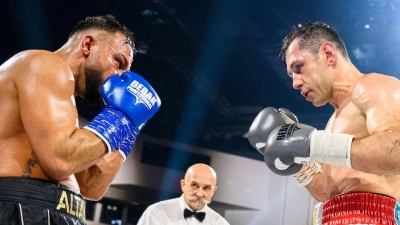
[93, 80]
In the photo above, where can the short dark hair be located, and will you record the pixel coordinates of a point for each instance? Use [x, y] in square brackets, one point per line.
[311, 36]
[107, 23]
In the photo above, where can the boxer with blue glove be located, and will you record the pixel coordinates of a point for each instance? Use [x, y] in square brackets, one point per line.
[50, 165]
[130, 101]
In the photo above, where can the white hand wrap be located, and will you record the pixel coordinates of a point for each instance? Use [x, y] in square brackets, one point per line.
[331, 148]
[307, 173]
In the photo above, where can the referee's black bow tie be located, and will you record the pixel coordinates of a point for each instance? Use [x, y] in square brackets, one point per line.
[199, 215]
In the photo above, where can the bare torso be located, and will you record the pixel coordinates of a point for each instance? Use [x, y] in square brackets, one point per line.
[339, 180]
[17, 157]
[39, 133]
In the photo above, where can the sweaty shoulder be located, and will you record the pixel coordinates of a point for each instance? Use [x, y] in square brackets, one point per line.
[376, 89]
[35, 63]
[378, 97]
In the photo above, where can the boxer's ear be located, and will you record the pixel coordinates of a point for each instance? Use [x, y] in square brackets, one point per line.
[330, 52]
[87, 43]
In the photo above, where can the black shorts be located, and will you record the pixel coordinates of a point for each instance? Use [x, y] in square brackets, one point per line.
[26, 201]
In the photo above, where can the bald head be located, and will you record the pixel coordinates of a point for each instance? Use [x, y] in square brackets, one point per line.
[201, 170]
[199, 185]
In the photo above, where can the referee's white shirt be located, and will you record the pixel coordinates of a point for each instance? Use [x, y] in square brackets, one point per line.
[171, 212]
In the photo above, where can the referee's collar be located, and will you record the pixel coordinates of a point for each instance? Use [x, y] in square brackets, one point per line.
[183, 205]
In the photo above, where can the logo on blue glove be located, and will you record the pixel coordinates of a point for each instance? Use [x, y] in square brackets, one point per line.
[142, 94]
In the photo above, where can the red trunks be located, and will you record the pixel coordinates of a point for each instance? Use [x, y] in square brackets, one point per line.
[360, 208]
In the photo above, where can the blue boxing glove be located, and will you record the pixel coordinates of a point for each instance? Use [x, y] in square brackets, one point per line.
[132, 94]
[130, 102]
[125, 147]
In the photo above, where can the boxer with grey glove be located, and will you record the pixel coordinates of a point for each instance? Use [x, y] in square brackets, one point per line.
[296, 144]
[265, 122]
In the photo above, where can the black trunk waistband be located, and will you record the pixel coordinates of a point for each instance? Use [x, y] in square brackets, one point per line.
[43, 193]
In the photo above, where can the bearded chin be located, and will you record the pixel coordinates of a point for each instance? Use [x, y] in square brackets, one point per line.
[93, 83]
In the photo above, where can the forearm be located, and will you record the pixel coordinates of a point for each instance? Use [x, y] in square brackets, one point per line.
[67, 152]
[378, 153]
[95, 181]
[316, 188]
[310, 177]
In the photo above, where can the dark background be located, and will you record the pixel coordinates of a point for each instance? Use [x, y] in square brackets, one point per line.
[214, 63]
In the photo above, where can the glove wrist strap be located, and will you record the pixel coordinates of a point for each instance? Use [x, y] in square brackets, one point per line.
[307, 173]
[126, 146]
[331, 148]
[112, 126]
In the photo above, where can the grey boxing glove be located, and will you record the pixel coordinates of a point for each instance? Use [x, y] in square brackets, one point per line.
[265, 122]
[289, 146]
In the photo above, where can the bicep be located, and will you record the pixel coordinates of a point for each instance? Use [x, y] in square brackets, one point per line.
[47, 108]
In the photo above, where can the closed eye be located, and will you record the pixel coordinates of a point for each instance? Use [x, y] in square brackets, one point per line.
[295, 67]
[121, 61]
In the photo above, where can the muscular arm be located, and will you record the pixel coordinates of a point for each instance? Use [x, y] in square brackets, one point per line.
[95, 181]
[48, 113]
[379, 98]
[379, 153]
[316, 188]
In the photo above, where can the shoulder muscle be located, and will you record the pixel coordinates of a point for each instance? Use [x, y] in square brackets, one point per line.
[378, 96]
